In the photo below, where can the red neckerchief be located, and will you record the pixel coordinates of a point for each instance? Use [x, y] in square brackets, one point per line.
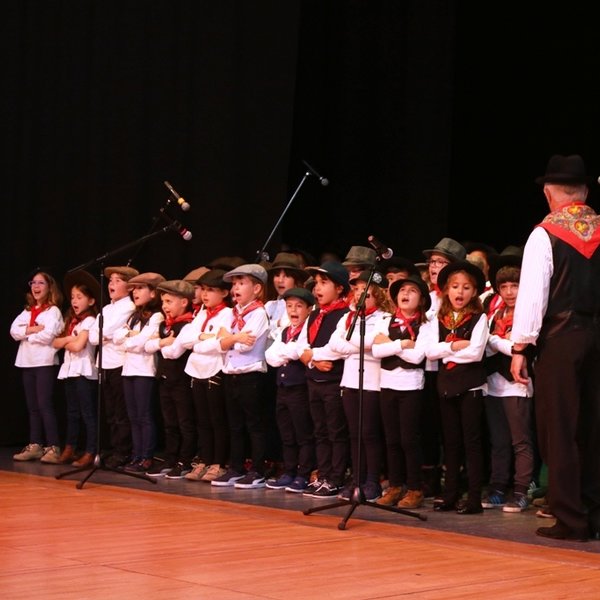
[211, 313]
[35, 312]
[503, 323]
[238, 318]
[577, 225]
[400, 320]
[187, 317]
[75, 320]
[196, 308]
[496, 303]
[351, 314]
[313, 330]
[292, 332]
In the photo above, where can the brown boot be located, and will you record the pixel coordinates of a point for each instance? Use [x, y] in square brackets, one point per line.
[85, 461]
[67, 455]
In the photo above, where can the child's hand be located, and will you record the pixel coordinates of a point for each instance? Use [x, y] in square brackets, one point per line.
[206, 336]
[457, 345]
[306, 356]
[381, 338]
[167, 341]
[34, 329]
[407, 344]
[246, 338]
[323, 365]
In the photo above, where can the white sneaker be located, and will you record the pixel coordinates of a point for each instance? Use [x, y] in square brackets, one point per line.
[30, 452]
[51, 455]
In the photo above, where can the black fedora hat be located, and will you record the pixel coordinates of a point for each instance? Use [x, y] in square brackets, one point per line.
[462, 265]
[81, 277]
[565, 169]
[415, 280]
[510, 256]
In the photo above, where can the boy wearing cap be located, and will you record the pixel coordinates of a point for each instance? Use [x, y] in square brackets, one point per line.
[324, 374]
[244, 343]
[292, 408]
[205, 367]
[114, 316]
[173, 382]
[139, 368]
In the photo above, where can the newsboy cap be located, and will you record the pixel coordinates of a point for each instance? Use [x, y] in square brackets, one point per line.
[177, 287]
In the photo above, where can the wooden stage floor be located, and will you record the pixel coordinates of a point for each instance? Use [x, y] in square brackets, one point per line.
[119, 537]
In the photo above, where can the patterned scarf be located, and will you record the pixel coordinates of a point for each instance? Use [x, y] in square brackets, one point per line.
[313, 330]
[577, 225]
[211, 313]
[503, 323]
[452, 322]
[238, 318]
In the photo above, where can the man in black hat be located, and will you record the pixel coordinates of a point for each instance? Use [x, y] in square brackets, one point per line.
[557, 316]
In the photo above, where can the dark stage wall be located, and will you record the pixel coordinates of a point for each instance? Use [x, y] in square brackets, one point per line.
[430, 118]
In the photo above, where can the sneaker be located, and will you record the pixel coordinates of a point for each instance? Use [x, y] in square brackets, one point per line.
[228, 479]
[494, 499]
[251, 481]
[212, 472]
[159, 469]
[327, 490]
[347, 492]
[51, 455]
[518, 504]
[412, 499]
[30, 452]
[297, 486]
[132, 465]
[544, 513]
[371, 491]
[391, 496]
[281, 483]
[197, 472]
[179, 471]
[313, 486]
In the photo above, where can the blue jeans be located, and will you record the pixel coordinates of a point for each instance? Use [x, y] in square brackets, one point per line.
[80, 394]
[139, 396]
[38, 383]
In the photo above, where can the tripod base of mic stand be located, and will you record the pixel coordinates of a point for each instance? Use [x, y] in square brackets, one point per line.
[357, 500]
[98, 465]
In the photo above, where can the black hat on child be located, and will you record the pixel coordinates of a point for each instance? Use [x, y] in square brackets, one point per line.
[416, 280]
[462, 265]
[510, 256]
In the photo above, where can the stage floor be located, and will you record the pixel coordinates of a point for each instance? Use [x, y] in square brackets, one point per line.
[494, 524]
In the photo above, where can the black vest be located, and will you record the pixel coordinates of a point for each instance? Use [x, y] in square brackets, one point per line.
[294, 372]
[168, 368]
[454, 379]
[328, 325]
[389, 363]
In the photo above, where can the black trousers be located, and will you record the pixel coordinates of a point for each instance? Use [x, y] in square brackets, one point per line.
[179, 422]
[567, 408]
[115, 411]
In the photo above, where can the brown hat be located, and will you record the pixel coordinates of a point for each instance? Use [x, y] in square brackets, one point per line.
[360, 255]
[415, 280]
[126, 272]
[214, 278]
[150, 279]
[462, 265]
[193, 276]
[177, 287]
[82, 277]
[449, 248]
[289, 262]
[565, 169]
[227, 262]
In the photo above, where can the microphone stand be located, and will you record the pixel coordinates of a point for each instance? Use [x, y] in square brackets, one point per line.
[98, 463]
[358, 497]
[262, 254]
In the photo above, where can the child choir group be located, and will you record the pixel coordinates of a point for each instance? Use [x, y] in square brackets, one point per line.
[380, 376]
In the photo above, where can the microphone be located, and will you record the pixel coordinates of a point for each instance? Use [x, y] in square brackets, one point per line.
[184, 205]
[382, 250]
[324, 181]
[185, 233]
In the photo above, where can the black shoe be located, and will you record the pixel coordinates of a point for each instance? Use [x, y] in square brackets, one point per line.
[442, 505]
[115, 461]
[468, 508]
[560, 532]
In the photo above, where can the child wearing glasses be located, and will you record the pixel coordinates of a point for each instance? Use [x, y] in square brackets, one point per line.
[35, 329]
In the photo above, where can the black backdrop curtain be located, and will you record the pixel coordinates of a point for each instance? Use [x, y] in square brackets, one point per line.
[429, 117]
